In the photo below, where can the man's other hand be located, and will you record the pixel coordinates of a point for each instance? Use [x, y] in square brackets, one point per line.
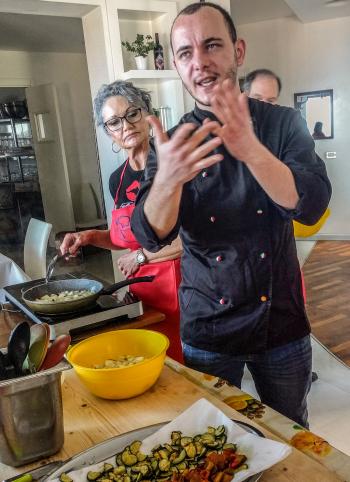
[237, 131]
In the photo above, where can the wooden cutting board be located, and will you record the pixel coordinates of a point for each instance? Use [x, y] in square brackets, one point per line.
[89, 420]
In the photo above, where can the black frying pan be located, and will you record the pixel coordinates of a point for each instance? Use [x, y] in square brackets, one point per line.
[54, 287]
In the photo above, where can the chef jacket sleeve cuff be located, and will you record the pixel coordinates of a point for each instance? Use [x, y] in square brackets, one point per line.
[314, 192]
[144, 233]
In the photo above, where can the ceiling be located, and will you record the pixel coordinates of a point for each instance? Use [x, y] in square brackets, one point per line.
[250, 11]
[56, 33]
[316, 10]
[51, 33]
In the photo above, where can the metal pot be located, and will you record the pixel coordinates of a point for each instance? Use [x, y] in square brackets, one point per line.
[31, 295]
[20, 109]
[31, 416]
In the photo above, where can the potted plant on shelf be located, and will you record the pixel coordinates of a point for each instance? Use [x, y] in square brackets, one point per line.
[140, 48]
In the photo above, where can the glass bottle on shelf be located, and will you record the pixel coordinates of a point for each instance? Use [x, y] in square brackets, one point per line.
[158, 55]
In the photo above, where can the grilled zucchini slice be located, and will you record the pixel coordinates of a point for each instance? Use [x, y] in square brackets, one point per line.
[65, 477]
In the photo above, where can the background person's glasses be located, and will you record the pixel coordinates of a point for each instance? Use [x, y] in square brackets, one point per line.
[116, 123]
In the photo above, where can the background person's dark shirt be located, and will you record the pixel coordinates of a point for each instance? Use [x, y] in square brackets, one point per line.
[129, 188]
[241, 288]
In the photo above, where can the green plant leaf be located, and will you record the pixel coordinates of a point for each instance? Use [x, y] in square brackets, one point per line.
[140, 46]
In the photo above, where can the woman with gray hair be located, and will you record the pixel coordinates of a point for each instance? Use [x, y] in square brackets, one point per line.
[122, 109]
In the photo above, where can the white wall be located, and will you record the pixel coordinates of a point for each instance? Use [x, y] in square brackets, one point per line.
[69, 74]
[312, 57]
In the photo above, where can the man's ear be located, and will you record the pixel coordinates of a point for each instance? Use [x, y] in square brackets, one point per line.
[240, 48]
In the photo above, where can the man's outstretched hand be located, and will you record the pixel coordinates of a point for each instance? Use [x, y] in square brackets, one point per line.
[184, 155]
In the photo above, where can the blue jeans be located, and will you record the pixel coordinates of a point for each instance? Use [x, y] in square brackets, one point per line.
[282, 376]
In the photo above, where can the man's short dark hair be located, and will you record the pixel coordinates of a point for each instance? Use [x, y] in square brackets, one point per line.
[194, 7]
[249, 79]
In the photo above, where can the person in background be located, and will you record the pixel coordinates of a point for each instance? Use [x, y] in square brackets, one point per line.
[263, 84]
[318, 133]
[121, 109]
[230, 178]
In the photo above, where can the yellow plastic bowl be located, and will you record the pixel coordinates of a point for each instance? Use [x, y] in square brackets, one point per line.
[304, 231]
[119, 383]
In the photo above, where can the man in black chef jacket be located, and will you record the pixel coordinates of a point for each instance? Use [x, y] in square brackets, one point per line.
[230, 178]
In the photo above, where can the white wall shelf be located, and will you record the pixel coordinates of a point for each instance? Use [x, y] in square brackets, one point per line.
[126, 18]
[150, 75]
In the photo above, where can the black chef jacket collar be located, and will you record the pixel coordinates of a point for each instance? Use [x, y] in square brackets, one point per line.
[202, 114]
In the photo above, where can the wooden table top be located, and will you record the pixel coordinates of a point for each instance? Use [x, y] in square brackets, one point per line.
[89, 420]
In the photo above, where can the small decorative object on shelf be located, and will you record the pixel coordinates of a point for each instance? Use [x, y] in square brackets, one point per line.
[164, 115]
[158, 55]
[140, 48]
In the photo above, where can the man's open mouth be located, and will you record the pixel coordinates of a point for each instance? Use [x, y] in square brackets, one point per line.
[207, 81]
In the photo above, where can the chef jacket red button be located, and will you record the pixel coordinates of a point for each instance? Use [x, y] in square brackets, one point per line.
[262, 255]
[218, 259]
[212, 219]
[263, 298]
[204, 174]
[222, 301]
[259, 211]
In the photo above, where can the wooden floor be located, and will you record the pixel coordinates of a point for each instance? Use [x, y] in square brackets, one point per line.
[327, 280]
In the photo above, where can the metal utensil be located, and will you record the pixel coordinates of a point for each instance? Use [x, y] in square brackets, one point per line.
[52, 265]
[36, 474]
[18, 346]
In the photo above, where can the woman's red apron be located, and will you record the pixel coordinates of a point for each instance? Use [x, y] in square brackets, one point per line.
[162, 293]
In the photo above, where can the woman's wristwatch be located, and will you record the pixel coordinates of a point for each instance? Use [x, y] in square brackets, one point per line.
[140, 257]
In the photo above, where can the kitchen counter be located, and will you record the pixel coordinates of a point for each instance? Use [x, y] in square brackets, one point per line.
[89, 420]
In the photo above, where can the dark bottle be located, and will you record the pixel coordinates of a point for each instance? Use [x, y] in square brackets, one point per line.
[158, 55]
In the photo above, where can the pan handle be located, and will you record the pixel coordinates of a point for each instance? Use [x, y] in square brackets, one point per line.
[111, 289]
